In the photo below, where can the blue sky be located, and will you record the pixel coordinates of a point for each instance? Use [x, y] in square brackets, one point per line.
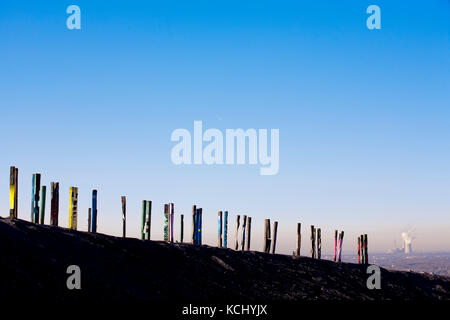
[364, 115]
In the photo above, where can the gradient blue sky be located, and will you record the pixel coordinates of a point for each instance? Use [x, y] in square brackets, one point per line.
[364, 115]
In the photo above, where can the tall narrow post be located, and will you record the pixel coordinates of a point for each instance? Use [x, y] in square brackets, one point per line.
[181, 227]
[236, 243]
[144, 219]
[219, 231]
[267, 239]
[89, 219]
[73, 208]
[359, 250]
[313, 242]
[319, 244]
[225, 229]
[362, 248]
[244, 225]
[36, 187]
[13, 191]
[194, 225]
[42, 211]
[94, 211]
[200, 213]
[166, 222]
[274, 242]
[148, 220]
[366, 253]
[172, 216]
[341, 240]
[249, 230]
[335, 245]
[54, 205]
[299, 238]
[124, 216]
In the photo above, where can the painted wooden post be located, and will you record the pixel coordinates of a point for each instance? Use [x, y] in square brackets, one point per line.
[299, 238]
[319, 244]
[172, 217]
[13, 191]
[236, 244]
[341, 240]
[267, 239]
[89, 219]
[225, 229]
[219, 231]
[148, 220]
[54, 205]
[194, 224]
[36, 187]
[359, 250]
[335, 245]
[181, 227]
[362, 248]
[144, 219]
[42, 209]
[249, 231]
[94, 212]
[200, 213]
[274, 242]
[124, 216]
[73, 208]
[244, 226]
[366, 253]
[166, 222]
[313, 242]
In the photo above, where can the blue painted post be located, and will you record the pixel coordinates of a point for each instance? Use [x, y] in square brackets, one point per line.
[225, 229]
[94, 212]
[36, 187]
[200, 226]
[219, 231]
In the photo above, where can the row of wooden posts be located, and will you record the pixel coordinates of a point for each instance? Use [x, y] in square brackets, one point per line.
[270, 240]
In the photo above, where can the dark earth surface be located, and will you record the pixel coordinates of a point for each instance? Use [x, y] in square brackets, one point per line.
[34, 260]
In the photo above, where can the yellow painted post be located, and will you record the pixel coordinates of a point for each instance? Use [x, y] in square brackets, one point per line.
[13, 191]
[73, 208]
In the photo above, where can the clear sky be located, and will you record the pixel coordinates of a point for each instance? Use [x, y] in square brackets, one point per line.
[364, 115]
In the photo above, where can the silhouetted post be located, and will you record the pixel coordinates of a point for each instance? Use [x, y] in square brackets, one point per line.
[181, 227]
[194, 225]
[249, 230]
[274, 242]
[219, 232]
[225, 229]
[166, 222]
[341, 240]
[362, 248]
[36, 187]
[359, 250]
[148, 220]
[172, 217]
[124, 216]
[13, 191]
[43, 196]
[73, 208]
[200, 212]
[244, 225]
[319, 244]
[94, 212]
[313, 242]
[54, 205]
[366, 253]
[299, 238]
[89, 219]
[144, 219]
[335, 245]
[236, 244]
[267, 239]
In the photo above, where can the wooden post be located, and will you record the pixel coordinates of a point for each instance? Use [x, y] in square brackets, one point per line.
[359, 250]
[36, 187]
[219, 231]
[148, 220]
[236, 243]
[335, 245]
[194, 225]
[124, 216]
[172, 217]
[313, 242]
[181, 228]
[73, 208]
[267, 239]
[94, 212]
[200, 212]
[244, 226]
[13, 191]
[362, 248]
[89, 219]
[299, 238]
[225, 229]
[144, 219]
[341, 240]
[166, 222]
[319, 244]
[249, 230]
[274, 242]
[54, 205]
[42, 211]
[366, 253]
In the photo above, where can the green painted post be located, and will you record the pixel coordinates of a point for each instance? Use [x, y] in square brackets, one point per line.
[42, 212]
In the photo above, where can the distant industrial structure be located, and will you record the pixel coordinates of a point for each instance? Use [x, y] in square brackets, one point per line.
[406, 249]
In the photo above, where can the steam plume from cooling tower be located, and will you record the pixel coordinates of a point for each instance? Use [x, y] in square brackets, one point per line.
[407, 240]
